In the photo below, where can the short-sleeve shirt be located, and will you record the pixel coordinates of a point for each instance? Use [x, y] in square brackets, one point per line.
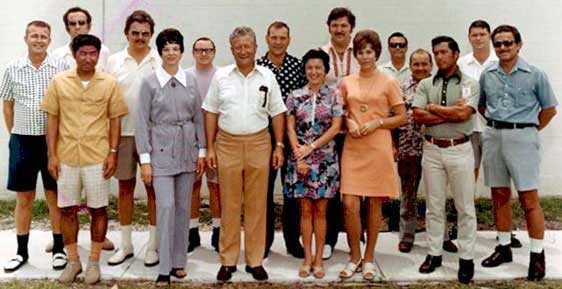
[65, 53]
[290, 75]
[25, 85]
[446, 92]
[518, 96]
[401, 75]
[129, 75]
[84, 113]
[244, 103]
[410, 138]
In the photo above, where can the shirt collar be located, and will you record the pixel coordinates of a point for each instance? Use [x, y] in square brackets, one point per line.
[521, 64]
[389, 65]
[47, 61]
[234, 68]
[151, 56]
[97, 75]
[163, 76]
[457, 74]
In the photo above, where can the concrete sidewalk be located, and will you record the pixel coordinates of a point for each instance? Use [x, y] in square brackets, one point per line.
[203, 263]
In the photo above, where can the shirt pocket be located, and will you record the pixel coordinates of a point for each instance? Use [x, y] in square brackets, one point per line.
[524, 97]
[162, 145]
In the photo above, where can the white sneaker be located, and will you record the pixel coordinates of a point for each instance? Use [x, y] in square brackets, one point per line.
[120, 256]
[327, 252]
[151, 258]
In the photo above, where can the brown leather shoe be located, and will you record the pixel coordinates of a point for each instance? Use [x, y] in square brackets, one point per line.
[225, 273]
[405, 247]
[430, 264]
[502, 254]
[537, 267]
[450, 247]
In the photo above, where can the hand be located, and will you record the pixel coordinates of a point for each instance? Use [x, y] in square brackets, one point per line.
[303, 152]
[146, 174]
[211, 158]
[54, 167]
[370, 126]
[461, 101]
[200, 169]
[278, 157]
[302, 168]
[352, 128]
[109, 165]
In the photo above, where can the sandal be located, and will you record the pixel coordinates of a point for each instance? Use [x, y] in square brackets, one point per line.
[318, 272]
[369, 271]
[14, 264]
[350, 270]
[58, 261]
[304, 271]
[162, 281]
[178, 273]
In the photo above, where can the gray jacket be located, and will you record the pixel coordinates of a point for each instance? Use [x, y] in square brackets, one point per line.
[169, 125]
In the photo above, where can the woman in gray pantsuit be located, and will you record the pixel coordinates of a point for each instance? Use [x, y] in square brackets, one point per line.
[171, 144]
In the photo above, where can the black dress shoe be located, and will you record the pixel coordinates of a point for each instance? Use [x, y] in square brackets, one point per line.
[405, 247]
[257, 272]
[430, 264]
[194, 239]
[162, 281]
[502, 254]
[225, 273]
[537, 267]
[466, 271]
[297, 252]
[450, 247]
[215, 237]
[515, 243]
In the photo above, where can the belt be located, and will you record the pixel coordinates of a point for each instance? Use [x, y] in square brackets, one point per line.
[180, 134]
[508, 125]
[449, 142]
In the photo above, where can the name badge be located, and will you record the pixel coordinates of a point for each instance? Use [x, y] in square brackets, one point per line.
[466, 92]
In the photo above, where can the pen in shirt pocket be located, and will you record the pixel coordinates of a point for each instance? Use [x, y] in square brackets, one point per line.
[264, 89]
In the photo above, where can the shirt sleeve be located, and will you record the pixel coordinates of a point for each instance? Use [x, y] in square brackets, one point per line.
[198, 120]
[545, 94]
[50, 102]
[275, 105]
[337, 105]
[7, 86]
[474, 97]
[421, 98]
[142, 118]
[394, 94]
[211, 103]
[290, 103]
[116, 105]
[482, 99]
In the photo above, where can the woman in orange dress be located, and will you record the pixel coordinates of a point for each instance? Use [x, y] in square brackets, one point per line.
[375, 106]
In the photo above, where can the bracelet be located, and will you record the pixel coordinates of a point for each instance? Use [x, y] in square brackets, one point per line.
[381, 122]
[280, 144]
[312, 145]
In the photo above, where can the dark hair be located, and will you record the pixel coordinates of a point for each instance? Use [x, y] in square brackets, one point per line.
[38, 23]
[169, 36]
[317, 54]
[139, 16]
[397, 34]
[421, 51]
[453, 45]
[340, 12]
[507, 28]
[479, 24]
[279, 25]
[364, 38]
[74, 10]
[203, 39]
[85, 40]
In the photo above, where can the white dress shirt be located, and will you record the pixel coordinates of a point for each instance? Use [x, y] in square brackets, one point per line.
[471, 67]
[65, 53]
[244, 103]
[129, 74]
[340, 68]
[402, 75]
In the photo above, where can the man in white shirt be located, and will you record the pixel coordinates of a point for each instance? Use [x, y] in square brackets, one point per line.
[78, 21]
[473, 64]
[240, 100]
[397, 67]
[129, 67]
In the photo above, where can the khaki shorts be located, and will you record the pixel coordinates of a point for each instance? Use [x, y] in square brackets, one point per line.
[128, 158]
[73, 180]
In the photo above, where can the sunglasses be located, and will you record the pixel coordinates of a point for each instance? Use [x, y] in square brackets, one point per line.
[75, 23]
[506, 43]
[204, 50]
[398, 45]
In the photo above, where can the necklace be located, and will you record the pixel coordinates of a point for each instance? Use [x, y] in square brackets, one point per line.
[363, 107]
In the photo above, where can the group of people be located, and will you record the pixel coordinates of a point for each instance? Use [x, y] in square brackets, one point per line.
[333, 123]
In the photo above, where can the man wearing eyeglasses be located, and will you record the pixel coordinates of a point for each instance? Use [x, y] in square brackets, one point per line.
[129, 67]
[289, 72]
[518, 102]
[204, 54]
[78, 21]
[397, 67]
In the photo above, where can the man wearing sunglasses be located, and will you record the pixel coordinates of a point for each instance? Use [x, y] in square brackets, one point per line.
[397, 67]
[78, 21]
[518, 102]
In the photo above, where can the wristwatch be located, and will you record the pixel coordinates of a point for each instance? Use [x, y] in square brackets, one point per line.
[280, 144]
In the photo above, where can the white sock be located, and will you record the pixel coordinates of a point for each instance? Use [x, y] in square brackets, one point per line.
[536, 245]
[152, 238]
[504, 238]
[216, 222]
[194, 223]
[126, 236]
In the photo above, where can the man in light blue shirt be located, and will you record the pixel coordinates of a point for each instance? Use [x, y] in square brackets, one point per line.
[518, 101]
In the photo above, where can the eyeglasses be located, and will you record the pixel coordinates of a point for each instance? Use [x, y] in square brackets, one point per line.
[140, 33]
[506, 43]
[77, 23]
[398, 45]
[204, 50]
